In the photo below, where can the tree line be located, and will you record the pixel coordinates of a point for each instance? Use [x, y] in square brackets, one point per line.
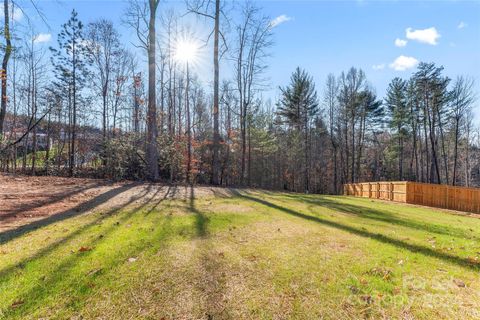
[91, 106]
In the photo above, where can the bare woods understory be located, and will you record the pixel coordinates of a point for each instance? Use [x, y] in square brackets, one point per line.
[97, 108]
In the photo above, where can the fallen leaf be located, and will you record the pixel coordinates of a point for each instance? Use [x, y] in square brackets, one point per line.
[459, 283]
[84, 249]
[380, 272]
[367, 299]
[354, 289]
[17, 303]
[473, 260]
[94, 271]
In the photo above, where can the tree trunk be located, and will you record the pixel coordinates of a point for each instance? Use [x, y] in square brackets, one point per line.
[152, 154]
[216, 135]
[104, 121]
[6, 57]
[455, 152]
[307, 160]
[189, 135]
[244, 142]
[74, 116]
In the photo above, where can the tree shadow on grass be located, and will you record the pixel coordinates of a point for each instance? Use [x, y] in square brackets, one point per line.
[221, 192]
[212, 277]
[48, 249]
[201, 221]
[160, 200]
[381, 216]
[60, 275]
[82, 208]
[375, 236]
[51, 200]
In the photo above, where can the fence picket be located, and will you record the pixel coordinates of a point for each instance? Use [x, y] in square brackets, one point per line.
[433, 195]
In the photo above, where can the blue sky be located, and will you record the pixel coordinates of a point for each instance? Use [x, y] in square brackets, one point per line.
[331, 36]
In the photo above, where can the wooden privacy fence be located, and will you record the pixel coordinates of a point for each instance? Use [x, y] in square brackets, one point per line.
[432, 195]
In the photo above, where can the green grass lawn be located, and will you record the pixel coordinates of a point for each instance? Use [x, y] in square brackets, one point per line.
[251, 255]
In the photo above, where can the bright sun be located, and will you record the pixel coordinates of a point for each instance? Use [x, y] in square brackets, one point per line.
[186, 51]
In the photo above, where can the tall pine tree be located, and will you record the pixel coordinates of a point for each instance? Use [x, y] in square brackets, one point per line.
[398, 117]
[297, 107]
[70, 66]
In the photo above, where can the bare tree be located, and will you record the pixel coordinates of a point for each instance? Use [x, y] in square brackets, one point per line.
[202, 8]
[462, 98]
[104, 45]
[253, 39]
[6, 57]
[142, 17]
[331, 104]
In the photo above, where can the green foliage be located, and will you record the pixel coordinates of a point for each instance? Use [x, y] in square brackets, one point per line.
[70, 60]
[298, 102]
[124, 158]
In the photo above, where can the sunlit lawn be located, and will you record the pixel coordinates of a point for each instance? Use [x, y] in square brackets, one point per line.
[253, 255]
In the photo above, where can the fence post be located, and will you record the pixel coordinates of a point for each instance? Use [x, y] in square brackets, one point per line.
[447, 202]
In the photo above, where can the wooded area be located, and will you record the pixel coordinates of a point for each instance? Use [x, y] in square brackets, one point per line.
[207, 159]
[101, 109]
[432, 195]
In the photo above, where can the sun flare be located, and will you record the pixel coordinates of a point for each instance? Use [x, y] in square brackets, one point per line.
[186, 51]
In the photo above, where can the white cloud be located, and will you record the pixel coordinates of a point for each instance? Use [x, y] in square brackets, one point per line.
[461, 25]
[279, 20]
[400, 42]
[403, 63]
[429, 35]
[42, 37]
[380, 66]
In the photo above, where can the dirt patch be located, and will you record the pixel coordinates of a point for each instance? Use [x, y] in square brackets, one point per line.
[25, 199]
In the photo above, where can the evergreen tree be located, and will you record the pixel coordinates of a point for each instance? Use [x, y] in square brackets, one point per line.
[70, 67]
[398, 117]
[297, 107]
[432, 87]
